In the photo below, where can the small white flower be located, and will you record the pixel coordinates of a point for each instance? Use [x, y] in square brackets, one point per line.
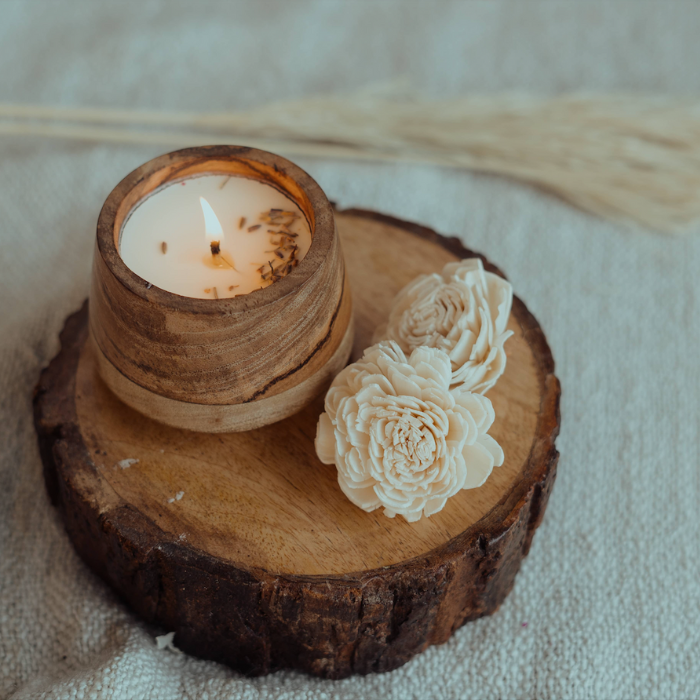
[400, 438]
[463, 311]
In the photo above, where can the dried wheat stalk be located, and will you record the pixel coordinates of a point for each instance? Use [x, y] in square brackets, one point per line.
[627, 158]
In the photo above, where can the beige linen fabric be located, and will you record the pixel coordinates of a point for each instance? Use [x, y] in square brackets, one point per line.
[611, 589]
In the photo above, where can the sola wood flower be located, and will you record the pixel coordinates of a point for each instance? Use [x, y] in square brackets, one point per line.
[463, 311]
[400, 438]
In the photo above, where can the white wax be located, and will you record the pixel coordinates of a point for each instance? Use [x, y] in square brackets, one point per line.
[174, 216]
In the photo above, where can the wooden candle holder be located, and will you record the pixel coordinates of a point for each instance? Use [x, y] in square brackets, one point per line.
[228, 364]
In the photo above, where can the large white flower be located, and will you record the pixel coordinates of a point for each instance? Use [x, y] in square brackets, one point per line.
[400, 438]
[463, 311]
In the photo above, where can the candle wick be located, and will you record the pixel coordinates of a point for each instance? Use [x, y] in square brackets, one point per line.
[218, 257]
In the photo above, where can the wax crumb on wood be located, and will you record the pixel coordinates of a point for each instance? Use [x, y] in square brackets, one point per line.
[165, 641]
[178, 496]
[126, 463]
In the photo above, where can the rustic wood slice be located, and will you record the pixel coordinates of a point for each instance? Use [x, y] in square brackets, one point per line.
[243, 543]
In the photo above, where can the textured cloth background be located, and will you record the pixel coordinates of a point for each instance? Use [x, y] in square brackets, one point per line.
[611, 588]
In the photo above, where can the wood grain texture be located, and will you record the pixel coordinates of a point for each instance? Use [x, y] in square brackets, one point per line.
[262, 563]
[170, 356]
[224, 418]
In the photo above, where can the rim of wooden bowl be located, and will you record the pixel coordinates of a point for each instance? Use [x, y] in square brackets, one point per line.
[185, 163]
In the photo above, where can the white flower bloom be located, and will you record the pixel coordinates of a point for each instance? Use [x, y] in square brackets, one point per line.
[400, 438]
[463, 311]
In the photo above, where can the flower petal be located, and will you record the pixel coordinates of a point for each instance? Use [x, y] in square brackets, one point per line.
[363, 497]
[325, 439]
[479, 463]
[493, 447]
[434, 505]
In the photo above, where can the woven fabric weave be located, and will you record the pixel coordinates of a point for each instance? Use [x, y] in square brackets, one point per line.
[607, 604]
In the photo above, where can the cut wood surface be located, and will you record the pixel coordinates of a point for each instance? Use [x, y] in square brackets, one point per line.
[243, 543]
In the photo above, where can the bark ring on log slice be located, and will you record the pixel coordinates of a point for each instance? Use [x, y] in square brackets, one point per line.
[244, 545]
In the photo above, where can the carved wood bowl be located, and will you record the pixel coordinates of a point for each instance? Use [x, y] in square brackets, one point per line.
[220, 365]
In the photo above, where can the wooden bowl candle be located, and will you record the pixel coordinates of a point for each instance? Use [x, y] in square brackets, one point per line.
[258, 342]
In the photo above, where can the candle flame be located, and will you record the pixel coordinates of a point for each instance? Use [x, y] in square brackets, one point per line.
[212, 226]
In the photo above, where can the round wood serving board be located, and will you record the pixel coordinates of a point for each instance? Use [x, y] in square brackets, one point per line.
[243, 543]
